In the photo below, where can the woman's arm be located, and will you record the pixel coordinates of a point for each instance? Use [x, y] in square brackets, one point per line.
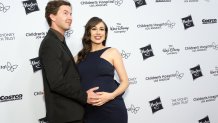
[116, 60]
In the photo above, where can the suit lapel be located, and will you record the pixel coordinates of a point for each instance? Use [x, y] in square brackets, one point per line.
[62, 45]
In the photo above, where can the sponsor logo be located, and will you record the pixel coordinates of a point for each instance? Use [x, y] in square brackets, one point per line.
[196, 72]
[132, 80]
[171, 50]
[119, 28]
[163, 0]
[139, 3]
[30, 6]
[165, 77]
[4, 98]
[125, 55]
[205, 99]
[187, 22]
[209, 21]
[179, 101]
[38, 93]
[204, 120]
[35, 62]
[7, 36]
[68, 33]
[9, 67]
[147, 52]
[167, 24]
[214, 72]
[156, 105]
[133, 109]
[43, 120]
[36, 35]
[101, 3]
[4, 8]
[191, 1]
[202, 47]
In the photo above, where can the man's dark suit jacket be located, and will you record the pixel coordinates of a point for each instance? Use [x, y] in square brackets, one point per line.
[64, 97]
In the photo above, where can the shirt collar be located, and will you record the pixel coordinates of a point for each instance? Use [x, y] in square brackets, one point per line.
[59, 35]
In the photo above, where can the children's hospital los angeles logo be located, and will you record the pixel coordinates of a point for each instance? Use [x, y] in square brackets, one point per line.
[206, 99]
[154, 26]
[30, 6]
[206, 47]
[146, 52]
[165, 77]
[101, 3]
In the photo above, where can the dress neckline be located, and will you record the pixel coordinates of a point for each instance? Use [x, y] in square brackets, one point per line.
[99, 50]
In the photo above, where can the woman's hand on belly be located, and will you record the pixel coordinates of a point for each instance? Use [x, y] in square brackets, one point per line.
[103, 97]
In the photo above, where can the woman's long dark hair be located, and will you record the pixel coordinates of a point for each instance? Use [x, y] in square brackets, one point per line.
[86, 40]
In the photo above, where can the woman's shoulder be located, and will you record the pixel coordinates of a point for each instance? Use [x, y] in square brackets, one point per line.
[113, 51]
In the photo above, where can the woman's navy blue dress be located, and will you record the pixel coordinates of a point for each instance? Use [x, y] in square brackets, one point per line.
[96, 71]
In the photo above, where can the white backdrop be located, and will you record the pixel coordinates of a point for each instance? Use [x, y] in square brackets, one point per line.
[169, 48]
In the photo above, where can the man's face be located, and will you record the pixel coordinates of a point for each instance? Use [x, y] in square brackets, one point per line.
[63, 19]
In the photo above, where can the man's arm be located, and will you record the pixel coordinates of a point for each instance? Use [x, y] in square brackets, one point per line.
[66, 85]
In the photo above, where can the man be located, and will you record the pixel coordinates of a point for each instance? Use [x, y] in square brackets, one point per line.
[64, 97]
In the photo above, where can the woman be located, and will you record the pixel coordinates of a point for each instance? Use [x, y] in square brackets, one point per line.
[96, 64]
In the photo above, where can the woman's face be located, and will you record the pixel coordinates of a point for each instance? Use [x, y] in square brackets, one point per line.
[98, 33]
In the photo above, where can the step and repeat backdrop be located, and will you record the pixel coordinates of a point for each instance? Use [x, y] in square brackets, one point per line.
[169, 48]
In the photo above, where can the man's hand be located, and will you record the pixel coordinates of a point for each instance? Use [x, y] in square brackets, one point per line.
[92, 96]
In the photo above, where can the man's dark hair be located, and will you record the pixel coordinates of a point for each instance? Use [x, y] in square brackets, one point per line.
[53, 7]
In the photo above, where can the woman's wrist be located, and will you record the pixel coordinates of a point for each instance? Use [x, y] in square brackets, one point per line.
[113, 96]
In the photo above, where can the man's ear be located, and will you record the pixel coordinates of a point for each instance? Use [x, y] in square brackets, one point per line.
[53, 17]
